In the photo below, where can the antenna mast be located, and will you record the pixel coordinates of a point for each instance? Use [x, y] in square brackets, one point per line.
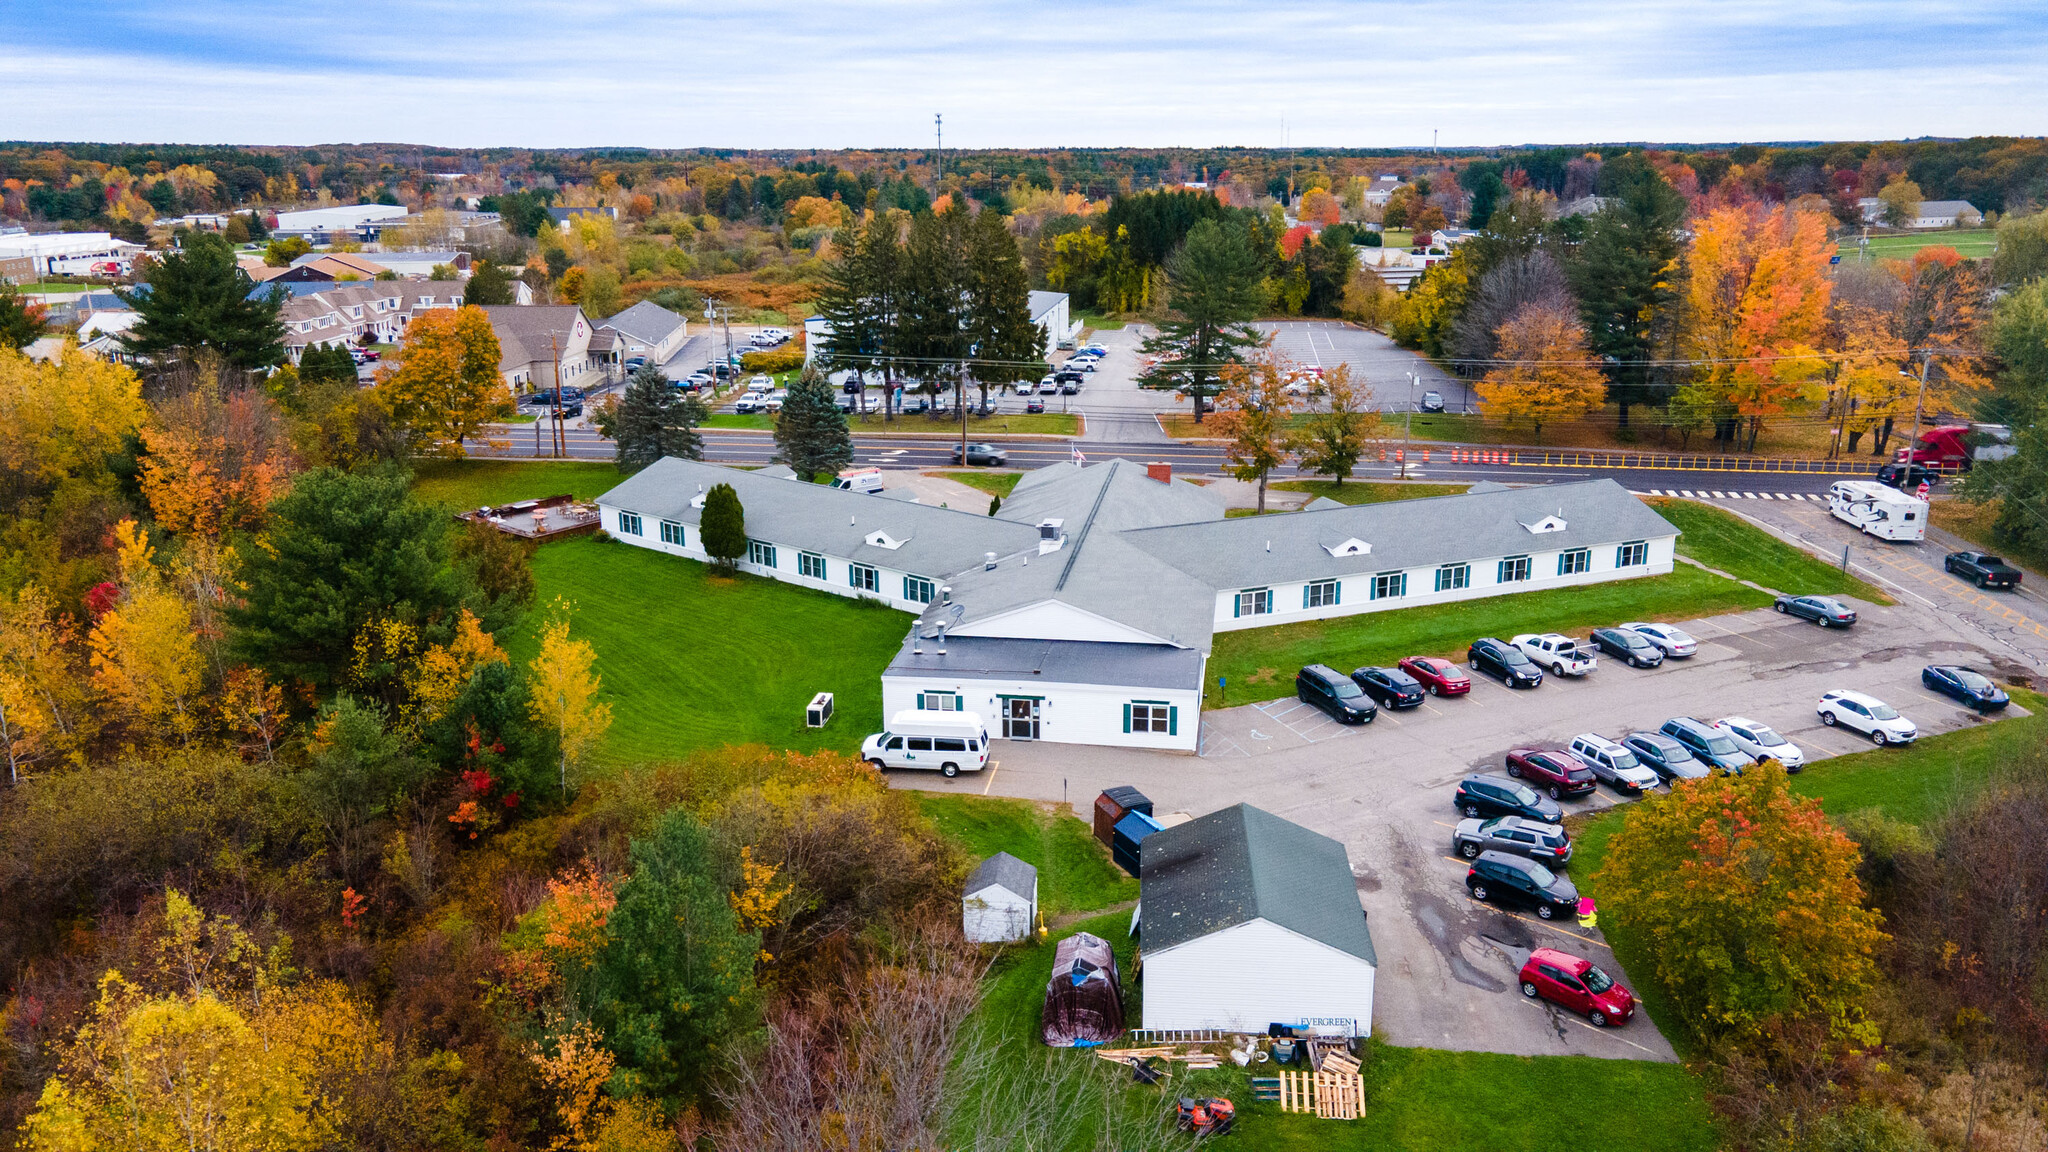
[939, 167]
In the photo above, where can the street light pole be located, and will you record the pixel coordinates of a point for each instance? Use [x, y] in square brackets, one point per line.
[1918, 400]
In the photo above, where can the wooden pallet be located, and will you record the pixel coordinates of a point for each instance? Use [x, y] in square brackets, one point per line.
[1145, 1036]
[1328, 1095]
[1122, 1054]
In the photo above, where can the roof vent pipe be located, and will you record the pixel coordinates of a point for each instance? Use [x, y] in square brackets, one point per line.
[946, 594]
[1269, 545]
[988, 562]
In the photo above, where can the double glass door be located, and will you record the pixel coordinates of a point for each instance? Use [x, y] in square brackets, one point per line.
[1020, 718]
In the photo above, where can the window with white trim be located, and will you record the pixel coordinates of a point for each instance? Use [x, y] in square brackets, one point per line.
[1389, 585]
[761, 552]
[1254, 602]
[1575, 561]
[1321, 593]
[810, 564]
[1152, 717]
[863, 577]
[629, 524]
[939, 702]
[1452, 577]
[918, 589]
[1632, 554]
[671, 533]
[1512, 570]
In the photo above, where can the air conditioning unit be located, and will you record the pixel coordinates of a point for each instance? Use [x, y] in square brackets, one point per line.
[819, 710]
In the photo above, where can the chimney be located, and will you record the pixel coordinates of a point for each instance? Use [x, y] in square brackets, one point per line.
[1160, 471]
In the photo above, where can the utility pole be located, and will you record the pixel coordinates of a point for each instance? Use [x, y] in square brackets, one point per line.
[939, 159]
[1918, 400]
[555, 399]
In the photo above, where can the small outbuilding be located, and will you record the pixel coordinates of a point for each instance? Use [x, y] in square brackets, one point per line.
[1084, 1000]
[1247, 920]
[1000, 903]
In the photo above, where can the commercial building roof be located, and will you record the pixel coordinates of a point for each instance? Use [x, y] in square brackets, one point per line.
[644, 321]
[1043, 303]
[523, 331]
[1243, 864]
[1049, 661]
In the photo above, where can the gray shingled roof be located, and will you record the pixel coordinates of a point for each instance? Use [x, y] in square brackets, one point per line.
[937, 542]
[523, 330]
[1243, 864]
[1004, 869]
[646, 321]
[1403, 534]
[1013, 658]
[1043, 302]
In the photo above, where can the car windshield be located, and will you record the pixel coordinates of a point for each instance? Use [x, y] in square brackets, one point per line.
[1971, 680]
[1720, 745]
[1492, 824]
[1515, 656]
[1766, 736]
[1882, 711]
[1597, 980]
[1623, 758]
[1543, 877]
[1523, 795]
[1345, 690]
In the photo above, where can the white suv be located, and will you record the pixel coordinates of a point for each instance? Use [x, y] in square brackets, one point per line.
[1613, 763]
[1868, 715]
[1760, 741]
[1561, 654]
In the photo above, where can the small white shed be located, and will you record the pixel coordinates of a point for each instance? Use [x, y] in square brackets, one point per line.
[1001, 900]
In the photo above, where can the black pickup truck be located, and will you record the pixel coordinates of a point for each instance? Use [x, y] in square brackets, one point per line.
[1987, 570]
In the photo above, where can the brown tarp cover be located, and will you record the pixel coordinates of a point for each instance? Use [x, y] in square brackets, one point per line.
[1084, 1002]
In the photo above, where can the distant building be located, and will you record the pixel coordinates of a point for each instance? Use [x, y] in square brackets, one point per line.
[1586, 206]
[1381, 190]
[536, 342]
[370, 311]
[325, 225]
[70, 253]
[1929, 213]
[647, 329]
[563, 217]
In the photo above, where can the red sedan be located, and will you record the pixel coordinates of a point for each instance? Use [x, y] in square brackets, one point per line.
[1440, 677]
[1559, 773]
[1577, 984]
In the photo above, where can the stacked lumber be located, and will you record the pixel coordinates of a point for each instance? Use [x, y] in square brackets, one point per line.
[1340, 1090]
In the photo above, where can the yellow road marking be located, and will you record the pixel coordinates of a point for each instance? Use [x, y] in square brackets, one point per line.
[992, 766]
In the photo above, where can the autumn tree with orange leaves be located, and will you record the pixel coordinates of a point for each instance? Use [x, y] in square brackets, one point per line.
[1883, 319]
[215, 462]
[447, 387]
[1757, 301]
[1544, 374]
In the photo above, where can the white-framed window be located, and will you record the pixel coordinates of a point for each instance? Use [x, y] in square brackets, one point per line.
[761, 552]
[1575, 561]
[1389, 585]
[1452, 577]
[629, 523]
[939, 702]
[1152, 717]
[810, 564]
[1632, 554]
[671, 533]
[918, 589]
[1321, 593]
[1512, 570]
[1254, 602]
[863, 577]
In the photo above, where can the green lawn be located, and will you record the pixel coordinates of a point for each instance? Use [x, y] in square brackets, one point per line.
[1723, 540]
[1369, 491]
[993, 483]
[692, 660]
[1256, 662]
[474, 483]
[1098, 321]
[759, 421]
[1974, 242]
[1075, 873]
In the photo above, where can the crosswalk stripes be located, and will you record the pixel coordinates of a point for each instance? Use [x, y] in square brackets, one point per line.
[1704, 493]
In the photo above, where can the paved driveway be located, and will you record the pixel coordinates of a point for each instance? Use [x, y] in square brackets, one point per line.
[1447, 963]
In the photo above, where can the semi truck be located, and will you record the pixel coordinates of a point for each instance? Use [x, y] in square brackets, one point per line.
[1955, 447]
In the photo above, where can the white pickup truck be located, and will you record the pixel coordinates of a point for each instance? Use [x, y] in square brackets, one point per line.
[1562, 655]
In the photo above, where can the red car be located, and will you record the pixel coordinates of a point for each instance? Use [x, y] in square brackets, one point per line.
[1439, 677]
[1548, 769]
[1577, 984]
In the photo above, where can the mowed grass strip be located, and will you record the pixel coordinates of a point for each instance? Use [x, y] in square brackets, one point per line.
[1369, 491]
[691, 660]
[1075, 873]
[993, 483]
[1723, 540]
[464, 484]
[1260, 663]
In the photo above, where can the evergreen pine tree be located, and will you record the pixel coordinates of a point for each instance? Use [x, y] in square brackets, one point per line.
[651, 421]
[488, 284]
[859, 304]
[723, 525]
[21, 319]
[1007, 345]
[1213, 290]
[200, 298]
[811, 434]
[930, 321]
[1625, 277]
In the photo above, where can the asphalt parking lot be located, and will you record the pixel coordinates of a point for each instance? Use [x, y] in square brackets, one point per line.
[1398, 377]
[1448, 963]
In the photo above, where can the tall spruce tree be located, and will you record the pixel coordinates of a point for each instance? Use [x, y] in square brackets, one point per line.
[723, 524]
[199, 298]
[1213, 289]
[1625, 275]
[488, 284]
[811, 434]
[930, 320]
[859, 304]
[1007, 345]
[650, 421]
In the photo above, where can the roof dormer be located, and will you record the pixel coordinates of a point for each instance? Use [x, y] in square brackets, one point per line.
[881, 539]
[1352, 547]
[1547, 524]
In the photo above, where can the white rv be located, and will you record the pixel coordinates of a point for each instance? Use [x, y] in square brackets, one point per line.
[951, 742]
[1879, 509]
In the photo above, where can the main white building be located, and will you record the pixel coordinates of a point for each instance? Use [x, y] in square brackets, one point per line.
[1084, 610]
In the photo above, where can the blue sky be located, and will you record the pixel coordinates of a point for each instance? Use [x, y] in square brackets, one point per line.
[826, 73]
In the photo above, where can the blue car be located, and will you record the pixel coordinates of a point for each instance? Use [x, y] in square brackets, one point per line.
[1973, 689]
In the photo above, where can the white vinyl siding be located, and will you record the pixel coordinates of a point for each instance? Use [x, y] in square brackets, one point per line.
[997, 915]
[1225, 980]
[1452, 577]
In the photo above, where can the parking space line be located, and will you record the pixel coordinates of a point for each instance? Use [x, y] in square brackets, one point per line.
[1587, 1025]
[992, 766]
[1425, 704]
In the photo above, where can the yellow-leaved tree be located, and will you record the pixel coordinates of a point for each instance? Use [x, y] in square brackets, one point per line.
[565, 688]
[447, 386]
[145, 658]
[42, 689]
[1546, 373]
[64, 418]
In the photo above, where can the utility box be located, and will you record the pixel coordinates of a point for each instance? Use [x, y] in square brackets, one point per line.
[1129, 835]
[1113, 805]
[819, 711]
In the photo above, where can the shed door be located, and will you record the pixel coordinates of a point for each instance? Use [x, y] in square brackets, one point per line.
[1020, 718]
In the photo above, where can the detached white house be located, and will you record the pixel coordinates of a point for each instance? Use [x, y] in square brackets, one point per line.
[1245, 920]
[1000, 902]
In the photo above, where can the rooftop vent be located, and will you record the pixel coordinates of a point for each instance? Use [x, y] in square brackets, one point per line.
[1049, 529]
[946, 594]
[988, 561]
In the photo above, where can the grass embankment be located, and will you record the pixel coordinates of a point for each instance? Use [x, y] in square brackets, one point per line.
[692, 660]
[1075, 873]
[1915, 784]
[1369, 491]
[1259, 663]
[474, 483]
[1099, 322]
[1973, 522]
[1720, 539]
[1972, 242]
[993, 483]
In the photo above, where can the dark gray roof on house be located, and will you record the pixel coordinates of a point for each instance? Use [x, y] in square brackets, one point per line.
[1402, 534]
[1243, 864]
[523, 330]
[644, 321]
[933, 542]
[1005, 870]
[1050, 662]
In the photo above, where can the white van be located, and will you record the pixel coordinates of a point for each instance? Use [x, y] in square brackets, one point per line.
[867, 480]
[1879, 509]
[951, 742]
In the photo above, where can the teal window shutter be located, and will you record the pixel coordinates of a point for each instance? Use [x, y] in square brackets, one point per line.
[1304, 595]
[1337, 592]
[920, 702]
[1173, 721]
[1236, 609]
[959, 705]
[1127, 718]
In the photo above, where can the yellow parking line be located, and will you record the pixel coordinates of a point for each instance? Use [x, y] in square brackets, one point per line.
[1425, 704]
[992, 766]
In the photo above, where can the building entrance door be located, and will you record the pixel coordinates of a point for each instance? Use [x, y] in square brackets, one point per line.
[1020, 718]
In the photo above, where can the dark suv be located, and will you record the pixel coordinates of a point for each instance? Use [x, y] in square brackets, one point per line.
[1486, 794]
[1712, 747]
[1515, 835]
[1667, 757]
[1389, 686]
[1504, 662]
[1907, 477]
[1334, 693]
[1509, 879]
[1559, 773]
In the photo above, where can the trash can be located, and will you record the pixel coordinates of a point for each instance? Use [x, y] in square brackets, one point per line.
[1112, 806]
